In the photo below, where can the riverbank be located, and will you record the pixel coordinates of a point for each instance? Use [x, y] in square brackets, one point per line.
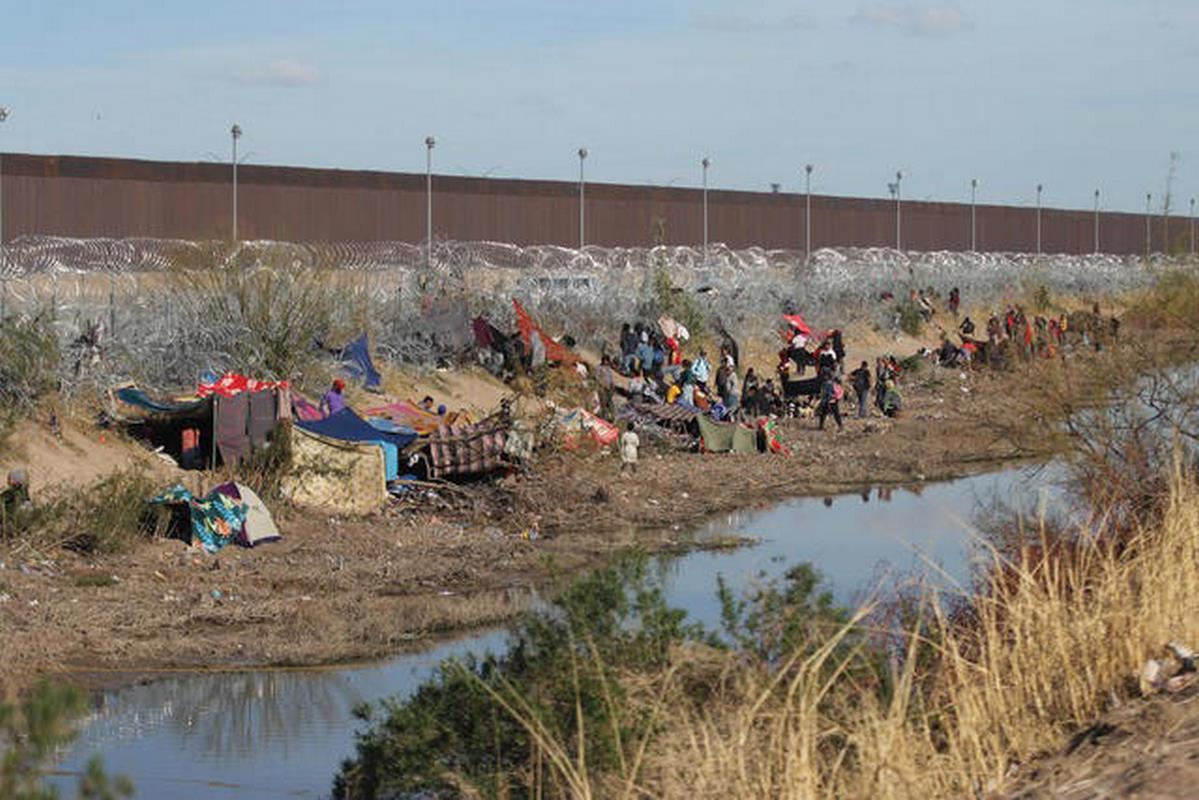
[337, 590]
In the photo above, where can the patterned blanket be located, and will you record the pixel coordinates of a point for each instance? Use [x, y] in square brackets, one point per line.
[216, 519]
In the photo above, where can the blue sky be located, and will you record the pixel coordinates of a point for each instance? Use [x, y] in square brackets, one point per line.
[1076, 95]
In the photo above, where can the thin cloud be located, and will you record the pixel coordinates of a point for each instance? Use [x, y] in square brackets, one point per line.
[913, 19]
[740, 23]
[281, 72]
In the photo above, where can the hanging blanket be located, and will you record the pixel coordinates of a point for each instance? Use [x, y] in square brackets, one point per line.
[554, 351]
[216, 519]
[467, 449]
[726, 437]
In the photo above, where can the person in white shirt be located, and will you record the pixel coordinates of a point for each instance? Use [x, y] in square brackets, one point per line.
[629, 442]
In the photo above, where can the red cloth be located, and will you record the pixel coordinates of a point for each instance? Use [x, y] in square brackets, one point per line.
[233, 383]
[528, 329]
[797, 322]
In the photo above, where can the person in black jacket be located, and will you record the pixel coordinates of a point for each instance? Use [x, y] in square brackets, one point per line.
[860, 380]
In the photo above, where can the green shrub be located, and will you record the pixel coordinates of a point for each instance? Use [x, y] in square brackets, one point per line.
[571, 673]
[910, 321]
[110, 516]
[32, 732]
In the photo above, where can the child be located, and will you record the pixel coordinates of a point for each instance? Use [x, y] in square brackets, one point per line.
[629, 442]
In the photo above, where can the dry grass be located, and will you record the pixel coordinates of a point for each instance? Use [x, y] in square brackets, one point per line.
[1042, 649]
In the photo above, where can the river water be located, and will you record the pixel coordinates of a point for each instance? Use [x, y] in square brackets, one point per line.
[283, 733]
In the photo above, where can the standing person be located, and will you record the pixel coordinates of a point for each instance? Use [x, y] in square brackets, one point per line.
[732, 393]
[701, 370]
[629, 442]
[14, 500]
[333, 400]
[628, 348]
[860, 378]
[830, 400]
[955, 300]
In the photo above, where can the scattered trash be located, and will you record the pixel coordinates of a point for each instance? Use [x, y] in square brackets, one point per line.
[216, 594]
[1171, 674]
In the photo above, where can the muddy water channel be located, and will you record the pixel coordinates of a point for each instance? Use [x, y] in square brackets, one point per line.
[283, 733]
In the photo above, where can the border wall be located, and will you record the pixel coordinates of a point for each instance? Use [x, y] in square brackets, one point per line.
[84, 197]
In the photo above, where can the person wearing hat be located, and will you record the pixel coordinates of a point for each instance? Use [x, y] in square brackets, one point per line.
[333, 401]
[14, 500]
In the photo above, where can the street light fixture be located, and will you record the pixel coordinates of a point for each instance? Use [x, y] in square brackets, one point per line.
[582, 183]
[1040, 188]
[430, 143]
[1148, 225]
[808, 212]
[1192, 226]
[898, 206]
[234, 135]
[3, 116]
[973, 215]
[1096, 222]
[705, 163]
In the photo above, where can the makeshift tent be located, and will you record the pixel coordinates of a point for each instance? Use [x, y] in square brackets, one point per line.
[233, 417]
[726, 437]
[258, 526]
[554, 351]
[216, 520]
[467, 449]
[356, 361]
[137, 397]
[347, 426]
[334, 475]
[183, 430]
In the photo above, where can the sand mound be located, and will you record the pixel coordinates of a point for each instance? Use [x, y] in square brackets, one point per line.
[79, 456]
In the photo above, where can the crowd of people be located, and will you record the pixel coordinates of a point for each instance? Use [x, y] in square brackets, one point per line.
[652, 367]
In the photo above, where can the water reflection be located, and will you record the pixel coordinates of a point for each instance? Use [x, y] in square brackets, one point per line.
[282, 734]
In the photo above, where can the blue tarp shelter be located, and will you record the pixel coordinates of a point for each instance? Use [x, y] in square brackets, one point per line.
[137, 397]
[347, 426]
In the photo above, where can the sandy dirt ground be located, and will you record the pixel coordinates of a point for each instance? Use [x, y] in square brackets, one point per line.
[1145, 748]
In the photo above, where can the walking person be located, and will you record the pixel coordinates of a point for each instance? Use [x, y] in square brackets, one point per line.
[831, 392]
[860, 380]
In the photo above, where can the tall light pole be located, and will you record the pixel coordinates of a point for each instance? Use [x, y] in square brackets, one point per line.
[1096, 222]
[235, 134]
[705, 163]
[1192, 226]
[430, 143]
[973, 215]
[582, 183]
[898, 206]
[1040, 188]
[4, 116]
[1148, 225]
[807, 226]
